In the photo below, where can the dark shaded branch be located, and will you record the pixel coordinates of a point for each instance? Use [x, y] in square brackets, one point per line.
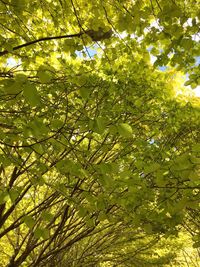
[94, 35]
[5, 52]
[14, 176]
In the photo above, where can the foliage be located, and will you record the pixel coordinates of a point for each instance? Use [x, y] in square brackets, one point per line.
[99, 154]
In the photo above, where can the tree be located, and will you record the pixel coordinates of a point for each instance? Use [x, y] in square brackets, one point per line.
[93, 146]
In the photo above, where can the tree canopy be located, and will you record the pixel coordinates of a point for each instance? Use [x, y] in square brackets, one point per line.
[100, 146]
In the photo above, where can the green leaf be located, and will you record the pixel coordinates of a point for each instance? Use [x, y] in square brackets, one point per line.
[196, 245]
[13, 87]
[139, 164]
[37, 127]
[41, 233]
[38, 148]
[44, 76]
[4, 196]
[152, 167]
[69, 45]
[188, 83]
[196, 148]
[148, 228]
[182, 162]
[186, 43]
[99, 125]
[101, 204]
[21, 78]
[107, 181]
[47, 216]
[31, 94]
[57, 123]
[113, 129]
[89, 222]
[13, 193]
[82, 212]
[85, 92]
[194, 176]
[125, 130]
[196, 238]
[105, 168]
[29, 221]
[37, 181]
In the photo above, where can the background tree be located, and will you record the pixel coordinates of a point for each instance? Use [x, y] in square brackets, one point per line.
[97, 150]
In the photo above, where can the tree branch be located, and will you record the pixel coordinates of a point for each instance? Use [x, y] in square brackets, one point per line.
[94, 35]
[5, 52]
